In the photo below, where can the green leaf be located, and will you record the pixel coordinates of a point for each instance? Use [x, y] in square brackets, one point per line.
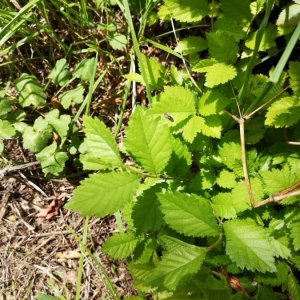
[274, 279]
[104, 193]
[6, 129]
[60, 75]
[35, 138]
[176, 267]
[187, 10]
[99, 149]
[212, 126]
[117, 41]
[30, 91]
[248, 247]
[229, 153]
[191, 44]
[222, 47]
[5, 107]
[294, 67]
[52, 161]
[59, 123]
[222, 205]
[148, 141]
[226, 179]
[284, 112]
[288, 19]
[193, 126]
[75, 95]
[216, 73]
[134, 77]
[154, 71]
[268, 39]
[230, 27]
[188, 214]
[146, 214]
[41, 296]
[119, 245]
[237, 10]
[180, 161]
[212, 102]
[295, 233]
[293, 287]
[85, 69]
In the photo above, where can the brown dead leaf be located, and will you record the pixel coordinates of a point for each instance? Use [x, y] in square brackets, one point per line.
[51, 210]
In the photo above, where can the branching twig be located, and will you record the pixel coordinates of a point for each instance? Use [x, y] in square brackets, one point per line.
[6, 170]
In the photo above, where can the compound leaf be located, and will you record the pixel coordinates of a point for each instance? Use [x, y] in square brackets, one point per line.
[188, 214]
[248, 247]
[104, 193]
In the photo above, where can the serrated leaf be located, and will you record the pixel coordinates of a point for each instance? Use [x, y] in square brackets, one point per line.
[176, 76]
[212, 126]
[59, 123]
[190, 215]
[226, 179]
[268, 39]
[175, 267]
[295, 233]
[59, 74]
[237, 10]
[116, 40]
[293, 286]
[134, 77]
[230, 27]
[248, 247]
[193, 126]
[288, 19]
[146, 214]
[75, 95]
[187, 10]
[154, 71]
[148, 141]
[216, 73]
[229, 152]
[274, 279]
[30, 91]
[294, 67]
[52, 161]
[6, 129]
[222, 47]
[119, 245]
[85, 69]
[99, 149]
[204, 180]
[212, 102]
[191, 44]
[222, 205]
[180, 161]
[281, 245]
[104, 193]
[284, 112]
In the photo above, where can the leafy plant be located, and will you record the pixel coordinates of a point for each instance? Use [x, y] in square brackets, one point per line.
[207, 203]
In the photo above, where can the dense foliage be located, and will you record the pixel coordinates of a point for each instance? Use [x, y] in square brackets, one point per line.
[208, 176]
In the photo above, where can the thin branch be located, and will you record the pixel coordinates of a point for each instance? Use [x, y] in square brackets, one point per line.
[287, 139]
[244, 162]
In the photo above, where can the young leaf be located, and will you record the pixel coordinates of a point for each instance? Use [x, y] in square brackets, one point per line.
[146, 214]
[248, 247]
[191, 44]
[230, 27]
[222, 205]
[60, 75]
[84, 69]
[222, 47]
[212, 126]
[104, 193]
[176, 267]
[75, 95]
[284, 112]
[190, 215]
[99, 149]
[187, 10]
[148, 141]
[176, 101]
[30, 91]
[226, 179]
[194, 125]
[6, 129]
[119, 245]
[212, 102]
[52, 161]
[59, 123]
